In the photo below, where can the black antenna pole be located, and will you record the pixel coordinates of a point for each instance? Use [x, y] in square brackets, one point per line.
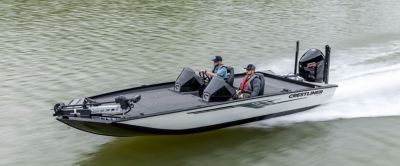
[296, 59]
[327, 63]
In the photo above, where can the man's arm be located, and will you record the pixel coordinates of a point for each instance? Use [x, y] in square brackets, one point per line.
[221, 73]
[210, 74]
[256, 87]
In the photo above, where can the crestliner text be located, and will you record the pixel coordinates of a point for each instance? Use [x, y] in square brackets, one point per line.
[315, 92]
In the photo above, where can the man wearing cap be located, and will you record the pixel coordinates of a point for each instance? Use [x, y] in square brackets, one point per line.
[219, 69]
[251, 84]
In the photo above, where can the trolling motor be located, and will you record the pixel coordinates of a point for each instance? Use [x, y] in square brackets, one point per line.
[313, 66]
[87, 107]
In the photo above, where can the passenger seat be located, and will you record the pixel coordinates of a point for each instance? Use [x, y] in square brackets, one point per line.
[231, 75]
[261, 76]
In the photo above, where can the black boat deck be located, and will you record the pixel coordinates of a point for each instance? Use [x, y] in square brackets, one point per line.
[161, 97]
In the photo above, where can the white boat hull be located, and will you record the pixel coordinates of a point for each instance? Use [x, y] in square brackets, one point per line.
[234, 112]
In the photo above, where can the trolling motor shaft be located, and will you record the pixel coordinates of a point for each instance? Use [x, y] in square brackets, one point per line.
[121, 105]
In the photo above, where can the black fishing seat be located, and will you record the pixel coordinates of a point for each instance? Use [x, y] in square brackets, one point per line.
[261, 76]
[231, 75]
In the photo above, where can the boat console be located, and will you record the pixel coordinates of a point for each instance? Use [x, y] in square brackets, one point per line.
[188, 81]
[218, 90]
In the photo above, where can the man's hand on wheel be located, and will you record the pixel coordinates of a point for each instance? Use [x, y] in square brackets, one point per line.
[210, 74]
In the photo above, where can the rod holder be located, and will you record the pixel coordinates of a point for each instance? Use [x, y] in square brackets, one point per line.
[296, 58]
[327, 63]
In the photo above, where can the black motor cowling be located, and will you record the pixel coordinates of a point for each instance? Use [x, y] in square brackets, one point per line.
[218, 90]
[188, 81]
[312, 66]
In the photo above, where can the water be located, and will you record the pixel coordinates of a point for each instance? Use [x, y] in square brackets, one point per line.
[54, 51]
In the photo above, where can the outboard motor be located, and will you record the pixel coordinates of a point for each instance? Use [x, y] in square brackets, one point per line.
[218, 90]
[188, 81]
[312, 66]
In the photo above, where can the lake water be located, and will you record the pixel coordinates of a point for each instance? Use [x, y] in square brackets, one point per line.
[52, 51]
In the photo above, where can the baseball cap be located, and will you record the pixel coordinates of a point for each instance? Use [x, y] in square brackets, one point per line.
[250, 67]
[217, 58]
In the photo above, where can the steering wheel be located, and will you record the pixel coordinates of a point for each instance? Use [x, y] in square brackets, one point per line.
[203, 74]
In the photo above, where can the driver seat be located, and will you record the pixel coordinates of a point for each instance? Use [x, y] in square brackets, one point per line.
[231, 75]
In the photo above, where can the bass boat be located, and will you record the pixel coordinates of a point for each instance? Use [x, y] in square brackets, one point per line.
[179, 107]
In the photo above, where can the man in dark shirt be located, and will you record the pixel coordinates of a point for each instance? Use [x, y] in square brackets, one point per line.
[251, 83]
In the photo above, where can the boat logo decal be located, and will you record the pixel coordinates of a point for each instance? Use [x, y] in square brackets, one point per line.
[206, 96]
[256, 105]
[261, 104]
[309, 93]
[177, 87]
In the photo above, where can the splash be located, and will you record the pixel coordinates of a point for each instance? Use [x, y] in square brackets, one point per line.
[367, 88]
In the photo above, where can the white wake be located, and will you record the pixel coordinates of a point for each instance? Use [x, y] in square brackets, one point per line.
[365, 90]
